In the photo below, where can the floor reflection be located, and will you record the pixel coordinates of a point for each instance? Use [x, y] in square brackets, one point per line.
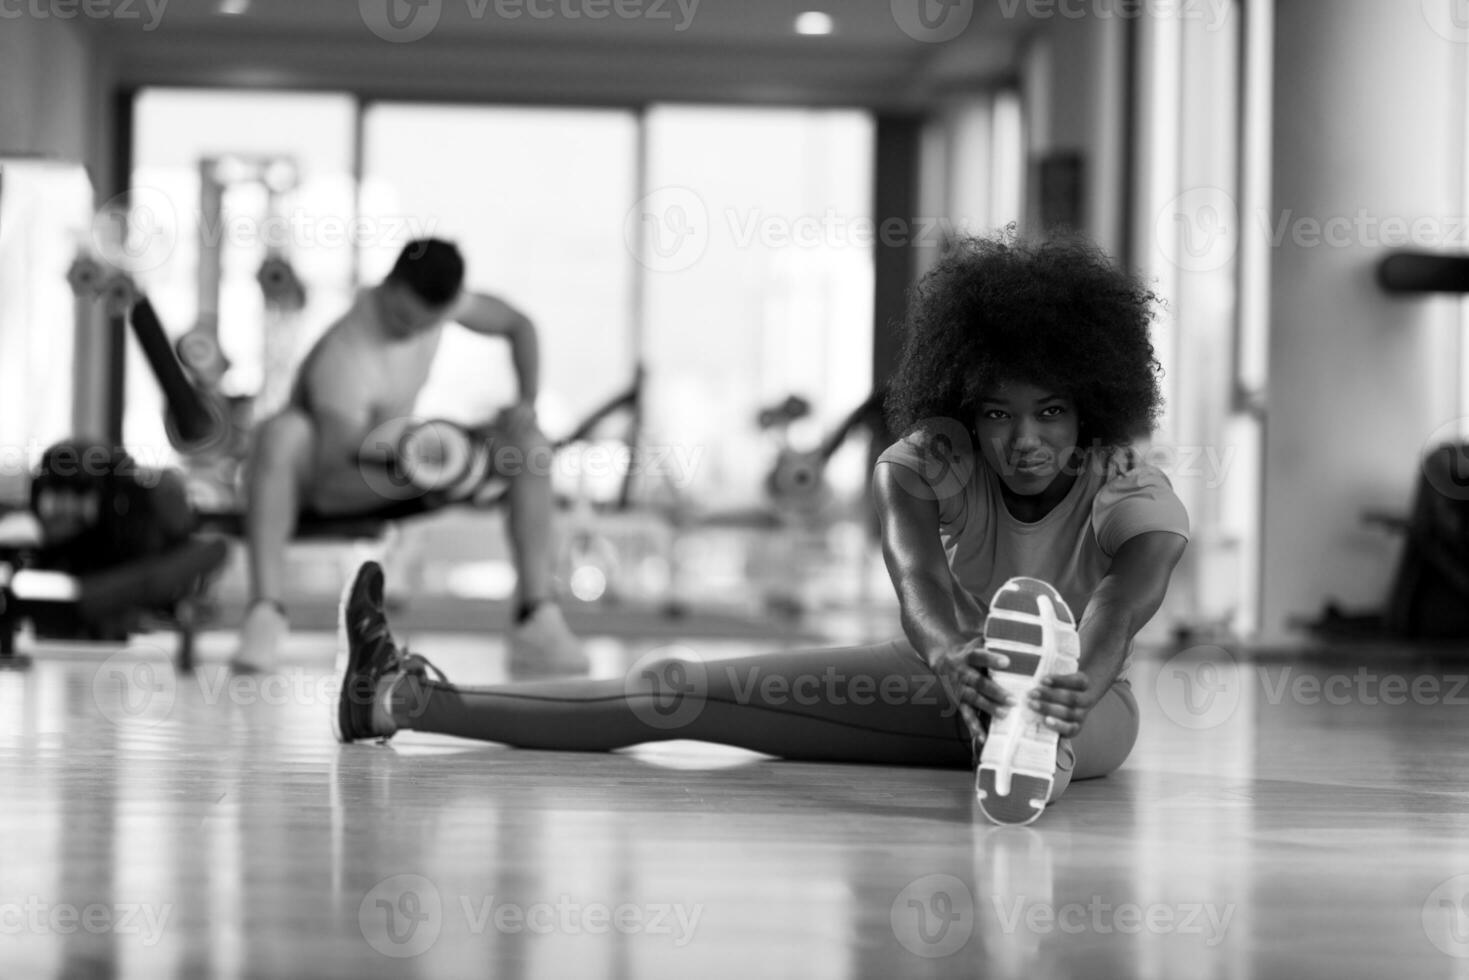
[211, 829]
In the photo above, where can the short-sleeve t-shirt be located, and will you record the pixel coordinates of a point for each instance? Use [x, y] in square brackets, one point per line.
[1114, 498]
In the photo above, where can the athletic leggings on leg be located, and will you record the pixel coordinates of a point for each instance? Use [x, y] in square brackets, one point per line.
[879, 704]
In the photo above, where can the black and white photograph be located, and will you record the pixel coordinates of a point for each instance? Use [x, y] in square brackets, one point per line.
[814, 489]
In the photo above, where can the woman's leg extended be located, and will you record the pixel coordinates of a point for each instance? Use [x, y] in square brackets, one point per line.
[1105, 739]
[876, 704]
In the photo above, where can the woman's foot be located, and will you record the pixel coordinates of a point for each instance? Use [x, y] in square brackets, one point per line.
[1031, 624]
[369, 661]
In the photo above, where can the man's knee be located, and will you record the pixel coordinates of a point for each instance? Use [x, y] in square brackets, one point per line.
[522, 449]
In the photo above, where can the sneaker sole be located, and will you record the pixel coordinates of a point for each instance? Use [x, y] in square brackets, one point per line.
[1031, 624]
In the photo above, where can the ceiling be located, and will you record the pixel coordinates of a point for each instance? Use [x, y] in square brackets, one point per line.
[879, 54]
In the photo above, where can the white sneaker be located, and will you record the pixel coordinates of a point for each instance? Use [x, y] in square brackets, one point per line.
[544, 645]
[1031, 624]
[262, 635]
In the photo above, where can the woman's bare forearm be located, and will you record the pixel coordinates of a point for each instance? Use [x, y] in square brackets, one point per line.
[1106, 633]
[918, 567]
[1126, 600]
[928, 617]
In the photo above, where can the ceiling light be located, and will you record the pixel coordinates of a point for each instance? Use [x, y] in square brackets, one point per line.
[814, 22]
[233, 8]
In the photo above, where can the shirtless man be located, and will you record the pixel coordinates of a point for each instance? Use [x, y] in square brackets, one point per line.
[364, 373]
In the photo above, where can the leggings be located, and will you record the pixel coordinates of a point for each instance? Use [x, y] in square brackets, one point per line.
[879, 704]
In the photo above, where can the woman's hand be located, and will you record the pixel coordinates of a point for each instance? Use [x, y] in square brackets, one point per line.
[964, 673]
[1063, 700]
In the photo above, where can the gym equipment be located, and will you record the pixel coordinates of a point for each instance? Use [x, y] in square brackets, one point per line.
[1429, 596]
[443, 457]
[117, 550]
[441, 464]
[1424, 272]
[283, 291]
[1428, 599]
[797, 481]
[795, 522]
[439, 456]
[195, 422]
[214, 475]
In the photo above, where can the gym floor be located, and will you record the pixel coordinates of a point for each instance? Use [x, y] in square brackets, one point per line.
[1293, 819]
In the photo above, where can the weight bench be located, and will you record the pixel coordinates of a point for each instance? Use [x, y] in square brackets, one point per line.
[312, 526]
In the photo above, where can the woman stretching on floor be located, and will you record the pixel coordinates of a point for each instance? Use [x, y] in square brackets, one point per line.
[1011, 500]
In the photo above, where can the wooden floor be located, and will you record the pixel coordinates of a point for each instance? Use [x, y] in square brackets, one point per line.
[155, 826]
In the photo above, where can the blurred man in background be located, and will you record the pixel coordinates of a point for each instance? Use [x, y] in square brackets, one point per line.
[362, 379]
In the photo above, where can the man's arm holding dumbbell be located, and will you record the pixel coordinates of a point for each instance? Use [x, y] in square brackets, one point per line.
[494, 317]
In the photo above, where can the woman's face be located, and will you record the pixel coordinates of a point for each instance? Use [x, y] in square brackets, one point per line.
[1027, 435]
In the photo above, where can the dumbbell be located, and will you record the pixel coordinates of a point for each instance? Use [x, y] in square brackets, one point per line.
[442, 457]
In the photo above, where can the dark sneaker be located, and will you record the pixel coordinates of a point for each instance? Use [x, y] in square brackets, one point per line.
[366, 653]
[1031, 624]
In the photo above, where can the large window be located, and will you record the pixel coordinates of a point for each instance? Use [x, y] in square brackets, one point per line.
[574, 216]
[1193, 197]
[756, 237]
[221, 179]
[535, 199]
[45, 210]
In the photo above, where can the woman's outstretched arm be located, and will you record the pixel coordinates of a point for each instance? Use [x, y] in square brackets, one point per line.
[919, 570]
[1126, 599]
